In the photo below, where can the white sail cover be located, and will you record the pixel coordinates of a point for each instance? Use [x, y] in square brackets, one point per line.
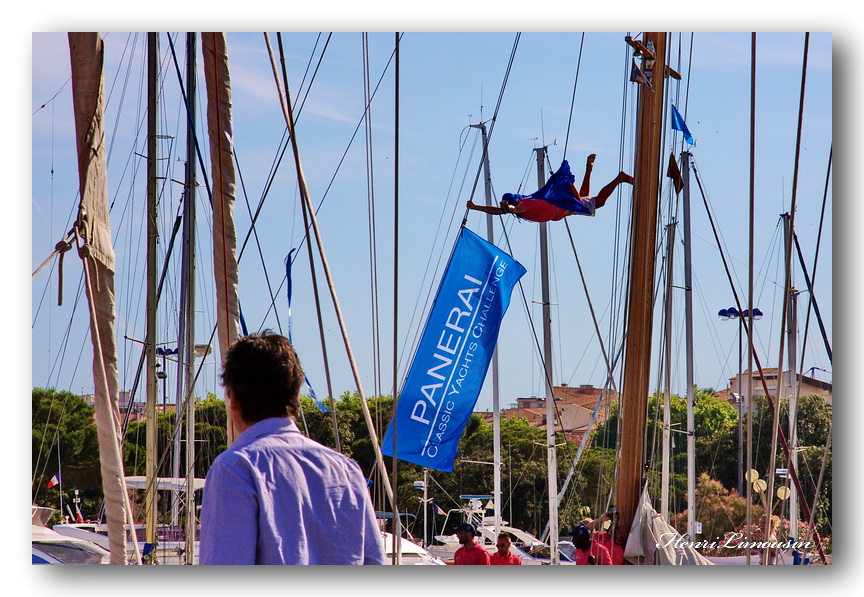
[94, 231]
[652, 541]
[221, 132]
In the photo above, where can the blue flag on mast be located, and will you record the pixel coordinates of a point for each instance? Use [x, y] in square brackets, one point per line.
[679, 125]
[453, 355]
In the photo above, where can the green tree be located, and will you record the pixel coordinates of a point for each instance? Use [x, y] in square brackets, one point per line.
[64, 421]
[814, 423]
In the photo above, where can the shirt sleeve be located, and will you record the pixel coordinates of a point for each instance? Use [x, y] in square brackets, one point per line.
[229, 517]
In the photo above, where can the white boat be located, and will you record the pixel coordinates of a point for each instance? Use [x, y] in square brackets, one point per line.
[170, 546]
[411, 553]
[50, 547]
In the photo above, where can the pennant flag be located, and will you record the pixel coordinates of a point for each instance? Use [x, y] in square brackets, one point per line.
[557, 191]
[674, 173]
[438, 509]
[453, 355]
[679, 125]
[54, 481]
[637, 76]
[317, 402]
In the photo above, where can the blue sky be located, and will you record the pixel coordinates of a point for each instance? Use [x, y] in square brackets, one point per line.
[447, 81]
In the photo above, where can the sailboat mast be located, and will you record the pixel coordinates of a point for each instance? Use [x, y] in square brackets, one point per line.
[792, 349]
[152, 234]
[496, 407]
[552, 460]
[188, 298]
[667, 394]
[793, 407]
[688, 331]
[634, 391]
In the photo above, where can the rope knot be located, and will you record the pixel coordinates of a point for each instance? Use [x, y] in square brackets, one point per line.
[62, 247]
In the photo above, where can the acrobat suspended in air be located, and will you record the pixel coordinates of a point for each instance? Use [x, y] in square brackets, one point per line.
[558, 198]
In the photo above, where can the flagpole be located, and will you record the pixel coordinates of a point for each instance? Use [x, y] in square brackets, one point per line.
[59, 472]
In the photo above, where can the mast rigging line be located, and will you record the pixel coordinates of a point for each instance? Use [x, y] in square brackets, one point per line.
[573, 97]
[286, 108]
[428, 272]
[787, 288]
[271, 178]
[747, 327]
[200, 366]
[372, 230]
[812, 305]
[493, 120]
[811, 281]
[338, 166]
[314, 285]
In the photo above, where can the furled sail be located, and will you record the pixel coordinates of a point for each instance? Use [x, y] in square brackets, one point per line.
[221, 132]
[652, 541]
[93, 229]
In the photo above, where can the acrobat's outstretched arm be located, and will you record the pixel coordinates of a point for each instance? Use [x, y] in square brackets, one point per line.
[505, 208]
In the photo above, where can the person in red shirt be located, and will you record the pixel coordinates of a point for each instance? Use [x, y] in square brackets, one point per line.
[539, 210]
[503, 557]
[613, 540]
[470, 554]
[589, 552]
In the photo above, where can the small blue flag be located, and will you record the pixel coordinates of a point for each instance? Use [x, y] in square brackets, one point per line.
[679, 125]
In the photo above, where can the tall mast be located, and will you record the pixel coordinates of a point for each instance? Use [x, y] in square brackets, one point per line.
[667, 394]
[152, 235]
[792, 349]
[634, 391]
[496, 408]
[188, 297]
[552, 461]
[688, 326]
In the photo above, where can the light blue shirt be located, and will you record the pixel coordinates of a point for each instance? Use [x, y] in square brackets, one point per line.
[277, 497]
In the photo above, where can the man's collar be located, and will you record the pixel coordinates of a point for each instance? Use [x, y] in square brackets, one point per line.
[266, 427]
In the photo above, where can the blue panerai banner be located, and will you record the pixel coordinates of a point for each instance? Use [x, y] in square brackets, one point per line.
[453, 356]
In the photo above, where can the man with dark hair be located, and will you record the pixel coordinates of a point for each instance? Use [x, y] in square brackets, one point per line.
[503, 557]
[588, 552]
[275, 496]
[470, 554]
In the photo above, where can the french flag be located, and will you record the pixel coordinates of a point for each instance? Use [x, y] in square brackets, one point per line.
[54, 481]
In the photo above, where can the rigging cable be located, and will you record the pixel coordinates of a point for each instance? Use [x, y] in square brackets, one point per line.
[754, 357]
[787, 289]
[812, 279]
[573, 96]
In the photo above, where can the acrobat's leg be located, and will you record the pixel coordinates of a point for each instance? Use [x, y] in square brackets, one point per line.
[584, 190]
[606, 191]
